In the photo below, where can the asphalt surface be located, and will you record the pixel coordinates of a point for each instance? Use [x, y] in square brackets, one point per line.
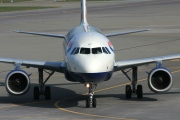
[67, 97]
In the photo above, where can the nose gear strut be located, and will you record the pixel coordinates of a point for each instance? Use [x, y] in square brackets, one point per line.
[90, 100]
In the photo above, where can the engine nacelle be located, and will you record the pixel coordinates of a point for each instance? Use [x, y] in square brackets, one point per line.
[17, 82]
[160, 80]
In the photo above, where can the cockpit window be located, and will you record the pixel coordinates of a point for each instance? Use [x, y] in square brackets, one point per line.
[104, 50]
[107, 50]
[73, 51]
[76, 51]
[85, 51]
[96, 50]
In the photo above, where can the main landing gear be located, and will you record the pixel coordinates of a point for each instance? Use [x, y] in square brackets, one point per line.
[137, 89]
[42, 90]
[90, 100]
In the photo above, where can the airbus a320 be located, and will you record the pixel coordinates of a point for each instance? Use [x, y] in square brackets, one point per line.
[90, 60]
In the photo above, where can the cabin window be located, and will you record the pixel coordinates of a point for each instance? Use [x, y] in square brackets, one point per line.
[107, 50]
[104, 50]
[96, 50]
[76, 51]
[85, 51]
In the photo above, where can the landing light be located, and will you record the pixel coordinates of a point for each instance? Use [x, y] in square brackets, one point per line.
[87, 85]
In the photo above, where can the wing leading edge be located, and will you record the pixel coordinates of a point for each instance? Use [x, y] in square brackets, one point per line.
[120, 65]
[43, 34]
[54, 66]
[127, 32]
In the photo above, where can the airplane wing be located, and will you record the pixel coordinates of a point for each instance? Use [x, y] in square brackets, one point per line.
[54, 66]
[127, 32]
[121, 65]
[42, 34]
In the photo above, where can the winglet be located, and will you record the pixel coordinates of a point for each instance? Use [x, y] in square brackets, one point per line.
[83, 12]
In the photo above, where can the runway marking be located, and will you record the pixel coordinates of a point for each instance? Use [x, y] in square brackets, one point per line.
[118, 85]
[35, 117]
[175, 71]
[176, 60]
[155, 34]
[92, 115]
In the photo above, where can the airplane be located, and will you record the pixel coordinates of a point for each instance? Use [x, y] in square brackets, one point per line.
[90, 60]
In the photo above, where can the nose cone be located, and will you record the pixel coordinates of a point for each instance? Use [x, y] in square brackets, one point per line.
[89, 66]
[94, 69]
[95, 64]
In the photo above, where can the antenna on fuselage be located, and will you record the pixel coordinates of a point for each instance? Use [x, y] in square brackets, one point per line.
[83, 12]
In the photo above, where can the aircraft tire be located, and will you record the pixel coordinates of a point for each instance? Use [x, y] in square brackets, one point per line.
[36, 93]
[128, 92]
[87, 102]
[94, 103]
[47, 93]
[139, 91]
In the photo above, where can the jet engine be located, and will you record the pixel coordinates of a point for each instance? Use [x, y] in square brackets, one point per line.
[160, 80]
[17, 82]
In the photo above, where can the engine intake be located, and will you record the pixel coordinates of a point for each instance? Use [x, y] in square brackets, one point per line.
[17, 82]
[160, 80]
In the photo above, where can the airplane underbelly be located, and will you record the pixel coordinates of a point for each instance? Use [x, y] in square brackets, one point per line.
[91, 77]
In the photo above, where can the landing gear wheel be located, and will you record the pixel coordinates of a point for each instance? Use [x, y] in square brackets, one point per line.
[94, 102]
[128, 91]
[139, 91]
[36, 93]
[47, 93]
[87, 102]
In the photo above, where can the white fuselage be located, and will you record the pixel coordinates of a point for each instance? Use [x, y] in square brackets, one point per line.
[89, 55]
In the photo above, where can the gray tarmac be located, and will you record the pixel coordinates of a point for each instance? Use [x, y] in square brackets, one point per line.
[162, 16]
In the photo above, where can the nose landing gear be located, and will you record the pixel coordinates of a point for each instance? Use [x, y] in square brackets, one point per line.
[90, 100]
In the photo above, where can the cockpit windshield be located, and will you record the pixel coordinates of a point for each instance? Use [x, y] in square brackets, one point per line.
[108, 50]
[104, 50]
[75, 51]
[96, 50]
[85, 51]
